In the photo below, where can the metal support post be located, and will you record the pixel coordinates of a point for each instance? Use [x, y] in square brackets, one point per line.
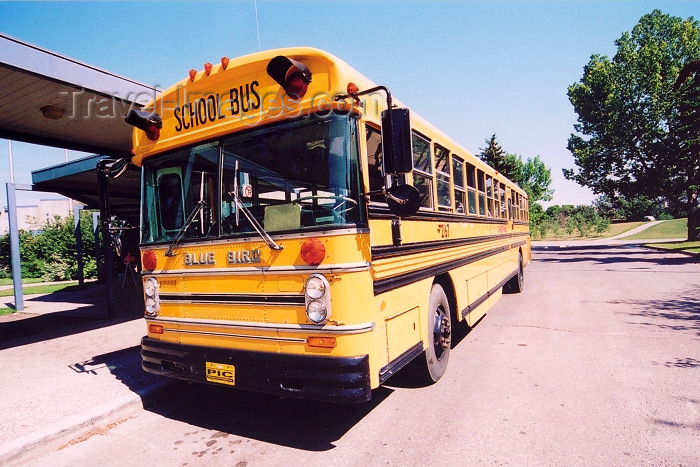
[14, 242]
[98, 248]
[78, 245]
[105, 219]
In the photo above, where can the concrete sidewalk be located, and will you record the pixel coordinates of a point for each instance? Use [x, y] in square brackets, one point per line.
[66, 367]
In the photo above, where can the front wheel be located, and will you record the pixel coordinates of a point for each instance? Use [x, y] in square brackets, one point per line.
[431, 365]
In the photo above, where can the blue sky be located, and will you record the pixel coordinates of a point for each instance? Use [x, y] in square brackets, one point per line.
[472, 68]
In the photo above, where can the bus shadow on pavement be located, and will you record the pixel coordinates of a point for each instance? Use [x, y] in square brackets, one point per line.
[88, 312]
[407, 377]
[297, 423]
[125, 366]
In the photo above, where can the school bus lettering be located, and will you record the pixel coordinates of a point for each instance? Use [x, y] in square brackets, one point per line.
[244, 101]
[193, 259]
[244, 256]
[211, 108]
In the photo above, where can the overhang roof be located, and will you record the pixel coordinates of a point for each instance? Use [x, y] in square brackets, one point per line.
[78, 180]
[93, 101]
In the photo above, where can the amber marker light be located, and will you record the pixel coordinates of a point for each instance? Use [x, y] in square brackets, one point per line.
[224, 62]
[207, 68]
[323, 342]
[352, 89]
[155, 329]
[149, 260]
[313, 251]
[193, 74]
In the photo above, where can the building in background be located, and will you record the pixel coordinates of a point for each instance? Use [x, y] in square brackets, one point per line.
[33, 217]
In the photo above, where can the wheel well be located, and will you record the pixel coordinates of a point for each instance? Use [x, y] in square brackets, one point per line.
[446, 282]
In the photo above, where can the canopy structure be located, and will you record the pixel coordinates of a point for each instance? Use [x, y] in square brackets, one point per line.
[78, 180]
[53, 100]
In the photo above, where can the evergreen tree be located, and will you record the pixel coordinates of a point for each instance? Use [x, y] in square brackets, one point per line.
[510, 165]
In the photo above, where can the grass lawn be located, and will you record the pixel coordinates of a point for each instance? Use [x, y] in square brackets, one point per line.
[676, 228]
[690, 247]
[615, 229]
[8, 281]
[6, 311]
[42, 289]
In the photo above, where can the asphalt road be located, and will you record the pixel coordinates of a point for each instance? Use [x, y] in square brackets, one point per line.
[597, 362]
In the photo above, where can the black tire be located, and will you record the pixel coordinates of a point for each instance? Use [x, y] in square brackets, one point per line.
[517, 282]
[431, 365]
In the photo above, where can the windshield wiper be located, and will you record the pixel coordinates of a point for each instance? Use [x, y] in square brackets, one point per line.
[197, 209]
[256, 225]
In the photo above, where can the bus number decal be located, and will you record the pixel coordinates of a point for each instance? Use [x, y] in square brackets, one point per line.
[444, 230]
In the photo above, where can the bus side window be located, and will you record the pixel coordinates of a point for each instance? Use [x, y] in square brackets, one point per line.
[374, 162]
[422, 170]
[482, 192]
[458, 176]
[442, 169]
[471, 184]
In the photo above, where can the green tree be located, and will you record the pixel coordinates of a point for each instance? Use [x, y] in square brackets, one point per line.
[686, 127]
[51, 253]
[510, 165]
[628, 142]
[536, 179]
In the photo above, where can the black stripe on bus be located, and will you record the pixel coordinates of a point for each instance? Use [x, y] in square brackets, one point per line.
[399, 362]
[408, 278]
[249, 299]
[389, 251]
[472, 306]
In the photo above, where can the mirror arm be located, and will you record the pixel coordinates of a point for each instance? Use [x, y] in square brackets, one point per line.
[389, 102]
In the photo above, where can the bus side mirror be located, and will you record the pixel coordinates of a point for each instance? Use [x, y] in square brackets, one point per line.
[397, 147]
[403, 200]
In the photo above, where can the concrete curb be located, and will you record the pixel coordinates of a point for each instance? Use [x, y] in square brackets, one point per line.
[81, 424]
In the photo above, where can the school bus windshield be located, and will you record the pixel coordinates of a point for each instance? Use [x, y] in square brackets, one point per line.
[287, 177]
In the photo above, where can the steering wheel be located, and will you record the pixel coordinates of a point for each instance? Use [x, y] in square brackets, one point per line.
[337, 210]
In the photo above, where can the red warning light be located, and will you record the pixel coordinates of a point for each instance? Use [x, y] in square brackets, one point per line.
[313, 251]
[292, 75]
[207, 68]
[193, 74]
[224, 62]
[149, 260]
[149, 122]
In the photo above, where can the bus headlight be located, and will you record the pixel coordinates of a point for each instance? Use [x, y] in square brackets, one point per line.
[316, 312]
[151, 299]
[315, 288]
[318, 300]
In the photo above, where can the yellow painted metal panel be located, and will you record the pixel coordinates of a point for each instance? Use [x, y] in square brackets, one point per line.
[402, 332]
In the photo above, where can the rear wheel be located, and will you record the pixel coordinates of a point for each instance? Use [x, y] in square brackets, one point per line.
[517, 282]
[432, 364]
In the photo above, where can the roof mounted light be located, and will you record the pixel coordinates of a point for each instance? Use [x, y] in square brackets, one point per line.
[149, 122]
[292, 75]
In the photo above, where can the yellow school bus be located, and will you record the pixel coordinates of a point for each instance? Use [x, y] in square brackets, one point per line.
[304, 234]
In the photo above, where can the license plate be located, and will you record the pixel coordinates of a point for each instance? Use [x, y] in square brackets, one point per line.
[221, 373]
